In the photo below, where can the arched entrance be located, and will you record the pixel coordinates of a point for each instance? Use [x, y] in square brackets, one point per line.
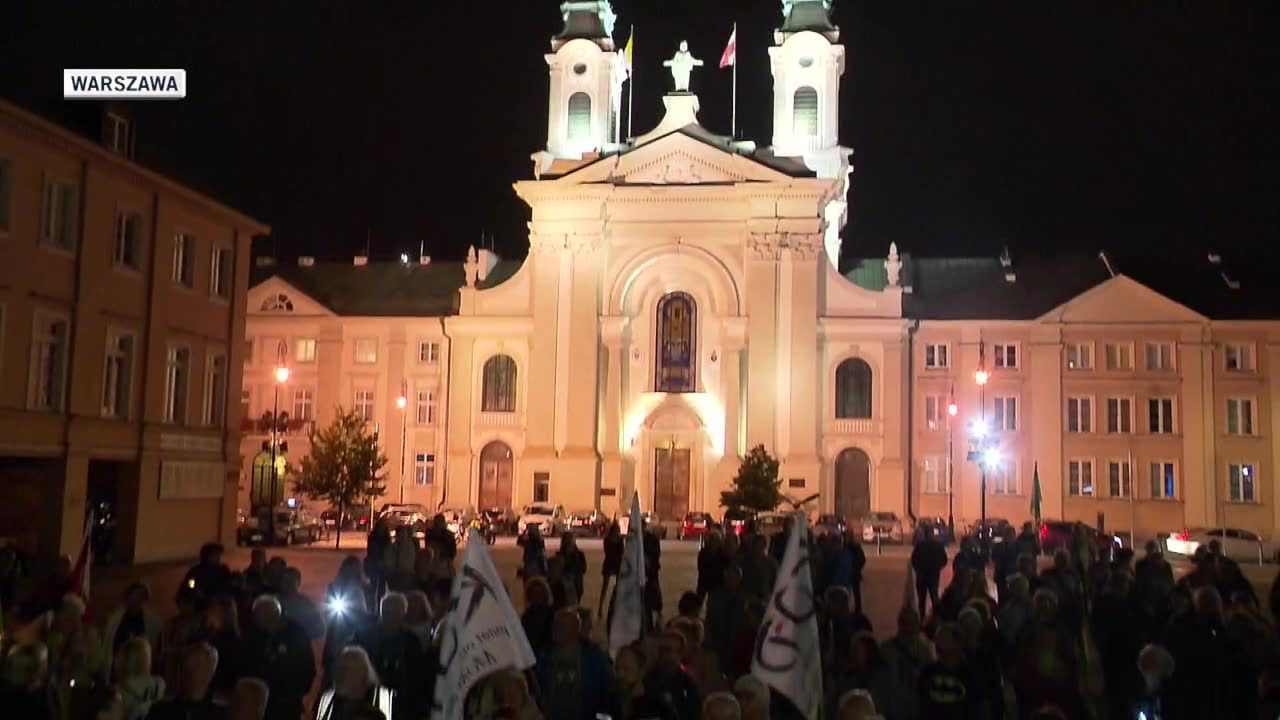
[853, 484]
[496, 471]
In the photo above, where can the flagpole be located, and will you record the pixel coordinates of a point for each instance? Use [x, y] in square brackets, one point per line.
[733, 117]
[631, 82]
[1133, 510]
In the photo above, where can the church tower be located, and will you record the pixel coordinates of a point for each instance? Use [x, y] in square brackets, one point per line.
[582, 109]
[807, 65]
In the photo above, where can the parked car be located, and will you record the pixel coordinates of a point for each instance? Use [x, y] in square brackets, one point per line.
[1056, 535]
[882, 526]
[457, 521]
[935, 527]
[588, 523]
[502, 521]
[695, 525]
[735, 521]
[359, 517]
[547, 516]
[414, 515]
[830, 524]
[991, 532]
[296, 525]
[1237, 544]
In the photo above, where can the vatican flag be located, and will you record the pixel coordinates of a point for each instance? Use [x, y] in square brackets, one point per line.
[786, 653]
[628, 595]
[628, 54]
[481, 633]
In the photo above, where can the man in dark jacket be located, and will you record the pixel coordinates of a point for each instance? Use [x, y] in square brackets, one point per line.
[575, 676]
[1028, 542]
[927, 560]
[441, 539]
[210, 577]
[711, 565]
[397, 656]
[278, 652]
[668, 681]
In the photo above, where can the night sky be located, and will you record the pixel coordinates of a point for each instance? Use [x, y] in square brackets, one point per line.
[1047, 127]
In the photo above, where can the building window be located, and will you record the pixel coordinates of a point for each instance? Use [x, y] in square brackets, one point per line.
[935, 477]
[1159, 357]
[579, 117]
[426, 407]
[48, 379]
[1003, 478]
[117, 134]
[1080, 478]
[366, 351]
[428, 352]
[184, 259]
[1164, 482]
[177, 373]
[1239, 416]
[276, 303]
[1080, 415]
[304, 404]
[677, 344]
[1239, 357]
[117, 375]
[215, 390]
[424, 469]
[805, 112]
[1160, 415]
[248, 351]
[934, 409]
[220, 273]
[542, 487]
[1119, 415]
[936, 356]
[1004, 414]
[1120, 478]
[1006, 356]
[304, 350]
[1079, 356]
[853, 389]
[246, 403]
[1119, 356]
[498, 389]
[128, 247]
[1242, 483]
[364, 405]
[6, 191]
[58, 215]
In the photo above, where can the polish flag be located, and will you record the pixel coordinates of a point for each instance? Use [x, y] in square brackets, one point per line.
[730, 55]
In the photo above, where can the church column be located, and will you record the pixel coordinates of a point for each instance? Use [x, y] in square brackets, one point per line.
[611, 330]
[458, 468]
[733, 340]
[762, 285]
[798, 319]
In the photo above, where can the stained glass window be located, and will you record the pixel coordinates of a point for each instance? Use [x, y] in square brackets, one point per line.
[677, 344]
[499, 391]
[853, 389]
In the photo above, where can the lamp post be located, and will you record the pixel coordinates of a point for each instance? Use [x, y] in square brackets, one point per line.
[952, 411]
[402, 402]
[281, 377]
[980, 376]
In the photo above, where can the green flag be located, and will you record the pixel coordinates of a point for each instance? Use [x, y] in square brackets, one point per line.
[1035, 493]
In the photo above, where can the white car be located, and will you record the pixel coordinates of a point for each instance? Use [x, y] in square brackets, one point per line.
[548, 517]
[1237, 544]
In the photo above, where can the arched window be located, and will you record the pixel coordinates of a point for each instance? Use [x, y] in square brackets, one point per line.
[853, 389]
[579, 116]
[277, 303]
[498, 393]
[677, 344]
[805, 112]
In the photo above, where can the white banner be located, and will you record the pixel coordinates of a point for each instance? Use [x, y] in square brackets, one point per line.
[786, 656]
[628, 599]
[480, 635]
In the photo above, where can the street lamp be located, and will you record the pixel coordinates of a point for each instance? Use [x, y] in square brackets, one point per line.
[981, 376]
[952, 410]
[402, 403]
[281, 377]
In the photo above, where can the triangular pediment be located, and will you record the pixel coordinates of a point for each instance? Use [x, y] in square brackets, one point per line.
[277, 297]
[675, 159]
[1121, 299]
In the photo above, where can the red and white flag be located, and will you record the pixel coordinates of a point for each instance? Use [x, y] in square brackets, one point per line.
[730, 55]
[84, 561]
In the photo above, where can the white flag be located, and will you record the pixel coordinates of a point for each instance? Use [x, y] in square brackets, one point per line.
[628, 602]
[480, 635]
[786, 655]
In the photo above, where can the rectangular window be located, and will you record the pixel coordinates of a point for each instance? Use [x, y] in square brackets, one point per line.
[248, 351]
[1003, 478]
[1080, 478]
[1119, 356]
[366, 351]
[1239, 416]
[59, 211]
[1004, 414]
[1006, 356]
[304, 404]
[128, 245]
[215, 390]
[117, 375]
[1164, 482]
[304, 350]
[1239, 357]
[246, 403]
[1080, 415]
[117, 134]
[6, 191]
[184, 259]
[221, 274]
[1160, 416]
[426, 408]
[935, 476]
[428, 352]
[364, 404]
[1079, 356]
[1119, 415]
[933, 411]
[936, 356]
[177, 373]
[1120, 478]
[48, 379]
[1242, 483]
[424, 469]
[542, 487]
[1159, 357]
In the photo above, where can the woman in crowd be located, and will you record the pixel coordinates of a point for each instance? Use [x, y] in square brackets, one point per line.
[139, 689]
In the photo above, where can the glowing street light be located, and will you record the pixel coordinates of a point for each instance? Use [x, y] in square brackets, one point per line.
[991, 458]
[981, 376]
[402, 402]
[282, 374]
[979, 428]
[953, 409]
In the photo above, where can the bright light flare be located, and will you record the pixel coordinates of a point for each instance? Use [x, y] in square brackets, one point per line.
[991, 458]
[282, 374]
[981, 376]
[979, 428]
[402, 402]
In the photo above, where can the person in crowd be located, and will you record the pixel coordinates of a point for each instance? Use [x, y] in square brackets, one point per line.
[712, 562]
[854, 558]
[1015, 609]
[753, 698]
[222, 632]
[397, 655]
[702, 664]
[505, 694]
[48, 593]
[1047, 661]
[400, 558]
[575, 676]
[1063, 580]
[778, 543]
[349, 581]
[1212, 678]
[1084, 552]
[573, 565]
[1027, 569]
[863, 667]
[190, 700]
[857, 704]
[139, 689]
[725, 607]
[350, 623]
[1156, 666]
[837, 625]
[248, 700]
[278, 652]
[759, 571]
[689, 606]
[982, 652]
[103, 703]
[209, 577]
[721, 706]
[612, 565]
[1027, 542]
[947, 688]
[356, 693]
[928, 559]
[905, 655]
[375, 555]
[273, 578]
[255, 574]
[538, 614]
[668, 679]
[179, 633]
[534, 560]
[1004, 560]
[744, 638]
[970, 558]
[10, 580]
[77, 660]
[635, 701]
[298, 607]
[131, 620]
[418, 618]
[26, 690]
[442, 539]
[652, 577]
[1120, 629]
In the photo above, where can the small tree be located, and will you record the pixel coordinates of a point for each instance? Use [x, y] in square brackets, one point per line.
[756, 486]
[343, 465]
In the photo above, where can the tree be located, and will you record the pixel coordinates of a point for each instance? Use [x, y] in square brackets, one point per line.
[343, 465]
[756, 486]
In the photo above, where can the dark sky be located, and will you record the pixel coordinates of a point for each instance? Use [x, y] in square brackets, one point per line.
[1127, 125]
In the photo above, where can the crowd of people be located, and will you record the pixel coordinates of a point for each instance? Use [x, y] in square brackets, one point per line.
[1089, 637]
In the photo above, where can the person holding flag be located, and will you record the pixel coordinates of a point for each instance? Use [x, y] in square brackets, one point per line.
[626, 612]
[786, 656]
